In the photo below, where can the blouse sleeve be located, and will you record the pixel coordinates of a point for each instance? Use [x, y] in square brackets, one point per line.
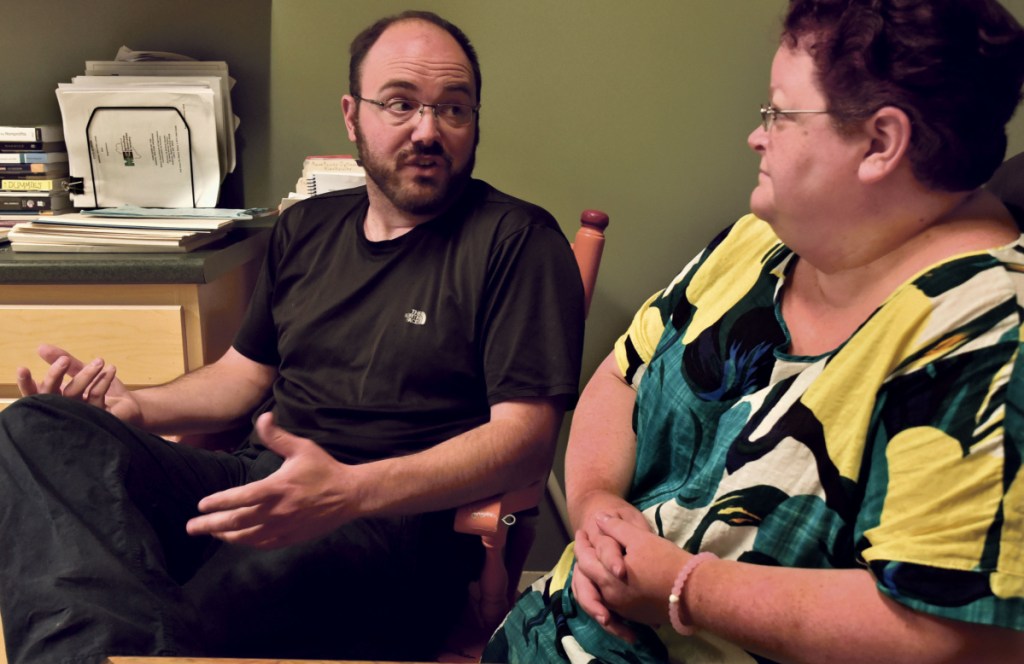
[941, 522]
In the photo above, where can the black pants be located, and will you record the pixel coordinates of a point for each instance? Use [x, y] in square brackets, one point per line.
[96, 560]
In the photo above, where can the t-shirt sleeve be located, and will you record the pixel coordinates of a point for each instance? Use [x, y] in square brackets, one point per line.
[257, 337]
[533, 317]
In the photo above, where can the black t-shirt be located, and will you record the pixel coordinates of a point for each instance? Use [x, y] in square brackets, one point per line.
[386, 348]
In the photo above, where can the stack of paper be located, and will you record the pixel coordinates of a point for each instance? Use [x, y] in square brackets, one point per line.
[125, 229]
[324, 173]
[9, 220]
[150, 133]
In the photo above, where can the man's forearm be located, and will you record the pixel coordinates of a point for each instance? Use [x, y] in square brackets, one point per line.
[211, 398]
[514, 447]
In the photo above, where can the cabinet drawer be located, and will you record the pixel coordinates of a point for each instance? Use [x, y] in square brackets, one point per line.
[145, 343]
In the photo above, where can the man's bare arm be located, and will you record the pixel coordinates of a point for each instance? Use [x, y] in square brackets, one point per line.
[515, 447]
[312, 494]
[210, 398]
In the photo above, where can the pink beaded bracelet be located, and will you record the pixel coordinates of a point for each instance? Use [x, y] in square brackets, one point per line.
[676, 598]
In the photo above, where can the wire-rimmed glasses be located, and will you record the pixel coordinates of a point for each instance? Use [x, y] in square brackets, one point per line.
[770, 112]
[400, 110]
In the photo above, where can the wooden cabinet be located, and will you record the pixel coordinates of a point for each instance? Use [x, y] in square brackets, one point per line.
[146, 342]
[152, 332]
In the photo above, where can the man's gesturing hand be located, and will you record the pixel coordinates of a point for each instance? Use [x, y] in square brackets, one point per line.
[306, 498]
[95, 383]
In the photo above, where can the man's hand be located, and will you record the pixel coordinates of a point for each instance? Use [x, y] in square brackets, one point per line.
[650, 565]
[95, 383]
[605, 553]
[307, 497]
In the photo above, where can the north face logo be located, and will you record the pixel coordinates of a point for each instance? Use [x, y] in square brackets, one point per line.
[416, 317]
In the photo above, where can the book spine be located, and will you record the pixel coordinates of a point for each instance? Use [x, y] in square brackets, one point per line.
[32, 157]
[21, 133]
[30, 146]
[15, 146]
[33, 184]
[330, 163]
[23, 169]
[33, 202]
[34, 170]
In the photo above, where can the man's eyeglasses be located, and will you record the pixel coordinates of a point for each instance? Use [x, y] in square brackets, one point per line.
[769, 113]
[399, 111]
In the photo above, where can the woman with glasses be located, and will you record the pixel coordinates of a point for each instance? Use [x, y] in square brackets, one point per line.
[807, 447]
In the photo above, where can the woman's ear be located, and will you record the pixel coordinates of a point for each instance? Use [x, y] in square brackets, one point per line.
[888, 135]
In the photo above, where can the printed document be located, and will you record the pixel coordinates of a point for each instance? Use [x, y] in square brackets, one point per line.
[153, 146]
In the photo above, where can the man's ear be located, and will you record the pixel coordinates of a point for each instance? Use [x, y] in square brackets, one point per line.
[888, 138]
[349, 108]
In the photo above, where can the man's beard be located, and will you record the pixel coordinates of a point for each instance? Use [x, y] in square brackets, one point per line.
[429, 195]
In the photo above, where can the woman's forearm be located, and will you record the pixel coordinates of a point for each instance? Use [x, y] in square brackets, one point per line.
[803, 615]
[602, 445]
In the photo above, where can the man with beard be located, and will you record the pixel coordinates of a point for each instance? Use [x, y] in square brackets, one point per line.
[410, 347]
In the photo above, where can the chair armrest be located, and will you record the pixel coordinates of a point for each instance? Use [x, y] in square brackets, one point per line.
[486, 517]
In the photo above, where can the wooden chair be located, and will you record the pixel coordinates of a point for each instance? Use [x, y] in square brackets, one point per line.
[492, 595]
[492, 517]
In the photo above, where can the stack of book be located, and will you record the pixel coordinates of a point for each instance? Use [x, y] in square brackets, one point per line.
[126, 230]
[323, 173]
[33, 172]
